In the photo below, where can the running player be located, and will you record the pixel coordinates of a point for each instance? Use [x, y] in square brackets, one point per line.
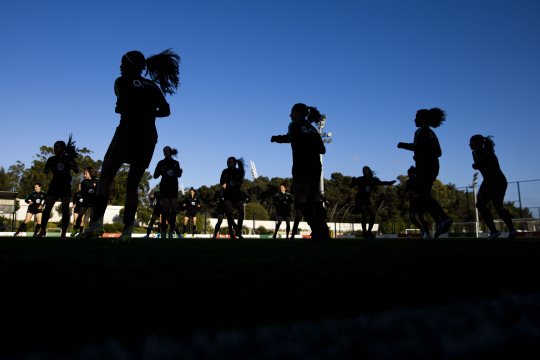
[139, 102]
[364, 187]
[283, 201]
[427, 151]
[76, 204]
[169, 170]
[35, 201]
[61, 164]
[154, 200]
[233, 178]
[219, 212]
[493, 188]
[307, 148]
[86, 202]
[416, 213]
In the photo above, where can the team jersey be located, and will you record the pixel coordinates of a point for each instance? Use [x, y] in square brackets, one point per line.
[234, 178]
[169, 170]
[219, 198]
[35, 199]
[139, 102]
[307, 147]
[426, 145]
[283, 202]
[61, 167]
[88, 191]
[154, 201]
[191, 203]
[487, 163]
[364, 187]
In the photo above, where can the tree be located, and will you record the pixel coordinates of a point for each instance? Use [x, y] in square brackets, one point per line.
[256, 211]
[4, 180]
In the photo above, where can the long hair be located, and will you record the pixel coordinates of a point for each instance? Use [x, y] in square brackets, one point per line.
[174, 151]
[433, 117]
[91, 171]
[240, 164]
[314, 115]
[164, 69]
[486, 142]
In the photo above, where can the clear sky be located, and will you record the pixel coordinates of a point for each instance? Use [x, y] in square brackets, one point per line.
[368, 65]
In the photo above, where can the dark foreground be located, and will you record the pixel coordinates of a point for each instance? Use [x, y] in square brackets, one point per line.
[267, 299]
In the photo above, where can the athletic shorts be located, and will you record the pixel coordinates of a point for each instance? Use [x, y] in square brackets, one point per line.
[131, 150]
[34, 210]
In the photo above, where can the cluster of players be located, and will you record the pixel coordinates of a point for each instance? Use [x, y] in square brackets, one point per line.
[141, 100]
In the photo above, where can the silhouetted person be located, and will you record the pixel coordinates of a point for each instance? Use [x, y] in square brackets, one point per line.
[427, 151]
[364, 187]
[61, 164]
[416, 213]
[35, 201]
[307, 148]
[86, 201]
[283, 201]
[298, 216]
[233, 178]
[191, 204]
[493, 188]
[169, 170]
[154, 200]
[219, 211]
[139, 102]
[76, 203]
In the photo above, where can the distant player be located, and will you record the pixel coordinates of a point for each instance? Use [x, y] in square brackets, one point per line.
[364, 187]
[154, 199]
[35, 201]
[191, 204]
[416, 213]
[86, 201]
[169, 170]
[493, 188]
[219, 212]
[233, 178]
[283, 202]
[61, 165]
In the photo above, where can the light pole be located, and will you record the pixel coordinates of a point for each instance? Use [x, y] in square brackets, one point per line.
[327, 139]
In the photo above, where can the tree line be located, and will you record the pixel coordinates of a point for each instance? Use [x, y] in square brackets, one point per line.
[389, 201]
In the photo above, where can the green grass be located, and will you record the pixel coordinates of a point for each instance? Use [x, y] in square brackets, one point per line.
[184, 285]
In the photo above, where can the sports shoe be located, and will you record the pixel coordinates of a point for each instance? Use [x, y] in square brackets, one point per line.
[16, 234]
[93, 231]
[494, 234]
[443, 226]
[125, 236]
[171, 235]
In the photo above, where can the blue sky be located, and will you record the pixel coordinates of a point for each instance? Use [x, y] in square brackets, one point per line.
[368, 65]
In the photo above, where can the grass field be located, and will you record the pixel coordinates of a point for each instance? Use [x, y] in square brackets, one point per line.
[64, 294]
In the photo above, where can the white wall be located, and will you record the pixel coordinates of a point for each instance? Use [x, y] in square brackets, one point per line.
[112, 213]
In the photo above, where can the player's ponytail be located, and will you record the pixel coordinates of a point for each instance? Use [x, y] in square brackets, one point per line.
[164, 69]
[489, 144]
[436, 117]
[241, 166]
[314, 115]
